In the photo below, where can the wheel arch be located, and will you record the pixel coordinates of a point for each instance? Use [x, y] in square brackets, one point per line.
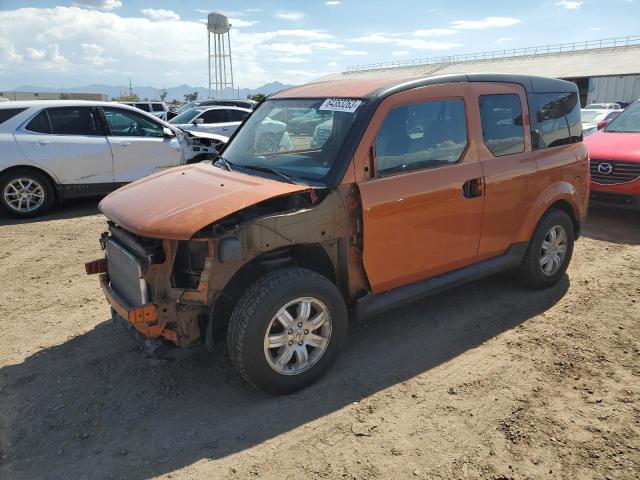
[560, 195]
[314, 257]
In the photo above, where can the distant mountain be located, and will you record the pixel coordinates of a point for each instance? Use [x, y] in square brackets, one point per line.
[178, 92]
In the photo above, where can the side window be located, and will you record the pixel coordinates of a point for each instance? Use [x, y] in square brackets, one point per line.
[74, 121]
[502, 129]
[214, 116]
[124, 123]
[7, 113]
[236, 115]
[555, 119]
[39, 123]
[143, 106]
[421, 135]
[157, 107]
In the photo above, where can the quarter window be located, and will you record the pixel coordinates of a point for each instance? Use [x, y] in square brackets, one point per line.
[555, 119]
[502, 129]
[157, 107]
[124, 123]
[39, 123]
[143, 106]
[421, 135]
[74, 121]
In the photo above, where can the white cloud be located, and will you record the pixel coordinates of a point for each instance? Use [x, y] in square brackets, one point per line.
[594, 29]
[160, 14]
[326, 45]
[332, 3]
[332, 64]
[414, 43]
[488, 22]
[92, 53]
[290, 60]
[238, 22]
[433, 32]
[400, 53]
[569, 5]
[291, 48]
[354, 53]
[504, 40]
[290, 15]
[99, 4]
[296, 33]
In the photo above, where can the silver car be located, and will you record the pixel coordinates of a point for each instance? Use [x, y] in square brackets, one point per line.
[62, 149]
[220, 120]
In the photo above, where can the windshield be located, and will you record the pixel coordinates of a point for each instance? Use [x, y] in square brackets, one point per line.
[593, 116]
[185, 117]
[628, 121]
[298, 137]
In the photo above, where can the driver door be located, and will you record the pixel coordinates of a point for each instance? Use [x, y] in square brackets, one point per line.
[139, 145]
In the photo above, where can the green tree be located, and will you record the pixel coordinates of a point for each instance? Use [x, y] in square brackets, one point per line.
[257, 97]
[163, 94]
[65, 96]
[191, 97]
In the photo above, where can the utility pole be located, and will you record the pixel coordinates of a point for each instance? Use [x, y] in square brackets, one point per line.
[130, 88]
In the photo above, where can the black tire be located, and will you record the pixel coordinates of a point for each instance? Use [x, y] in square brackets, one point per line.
[253, 314]
[42, 180]
[530, 271]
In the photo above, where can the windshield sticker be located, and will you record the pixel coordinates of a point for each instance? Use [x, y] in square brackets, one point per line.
[348, 105]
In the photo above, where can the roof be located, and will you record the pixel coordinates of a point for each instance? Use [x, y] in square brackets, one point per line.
[586, 63]
[379, 87]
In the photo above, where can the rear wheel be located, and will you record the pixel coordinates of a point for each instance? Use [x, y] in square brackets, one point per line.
[286, 330]
[549, 251]
[25, 193]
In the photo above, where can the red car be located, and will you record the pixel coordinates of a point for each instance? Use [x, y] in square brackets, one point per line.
[615, 160]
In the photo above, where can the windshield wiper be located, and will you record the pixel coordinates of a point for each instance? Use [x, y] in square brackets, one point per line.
[262, 168]
[227, 164]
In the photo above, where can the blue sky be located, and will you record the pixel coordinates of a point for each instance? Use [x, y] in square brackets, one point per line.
[164, 43]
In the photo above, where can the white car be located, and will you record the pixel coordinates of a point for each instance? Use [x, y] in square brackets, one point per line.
[220, 120]
[603, 106]
[157, 109]
[592, 117]
[62, 149]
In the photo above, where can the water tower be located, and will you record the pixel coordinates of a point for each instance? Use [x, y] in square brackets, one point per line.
[220, 66]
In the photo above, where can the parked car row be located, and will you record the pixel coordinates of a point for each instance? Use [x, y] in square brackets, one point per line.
[57, 150]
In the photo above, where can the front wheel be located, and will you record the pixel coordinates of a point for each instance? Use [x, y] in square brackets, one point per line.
[286, 330]
[549, 251]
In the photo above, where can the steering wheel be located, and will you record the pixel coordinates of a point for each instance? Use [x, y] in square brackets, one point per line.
[133, 129]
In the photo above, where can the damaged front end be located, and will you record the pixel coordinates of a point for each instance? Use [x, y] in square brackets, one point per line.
[182, 290]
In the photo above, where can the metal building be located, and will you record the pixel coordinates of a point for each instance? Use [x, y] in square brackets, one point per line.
[605, 70]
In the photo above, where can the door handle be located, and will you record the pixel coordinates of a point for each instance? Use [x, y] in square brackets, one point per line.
[43, 142]
[473, 188]
[124, 144]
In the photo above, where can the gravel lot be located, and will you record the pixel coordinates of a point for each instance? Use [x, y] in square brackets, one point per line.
[489, 380]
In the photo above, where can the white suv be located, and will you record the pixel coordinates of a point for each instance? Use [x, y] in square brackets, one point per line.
[65, 149]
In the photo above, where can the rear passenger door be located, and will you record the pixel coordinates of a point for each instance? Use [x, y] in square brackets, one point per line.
[71, 143]
[215, 121]
[422, 205]
[508, 164]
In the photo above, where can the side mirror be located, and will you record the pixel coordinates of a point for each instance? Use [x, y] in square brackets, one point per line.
[198, 121]
[167, 132]
[602, 124]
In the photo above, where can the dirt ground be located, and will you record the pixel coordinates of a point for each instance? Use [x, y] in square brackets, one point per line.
[489, 380]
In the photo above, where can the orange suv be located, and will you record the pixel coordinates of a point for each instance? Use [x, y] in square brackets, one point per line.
[395, 189]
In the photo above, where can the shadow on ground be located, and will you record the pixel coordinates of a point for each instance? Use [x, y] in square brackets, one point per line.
[69, 209]
[94, 407]
[613, 225]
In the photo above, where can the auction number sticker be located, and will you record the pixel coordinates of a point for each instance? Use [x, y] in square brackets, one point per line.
[348, 105]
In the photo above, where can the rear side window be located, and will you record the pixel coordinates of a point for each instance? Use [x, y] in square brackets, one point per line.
[421, 135]
[214, 116]
[502, 128]
[236, 115]
[40, 123]
[157, 107]
[143, 106]
[7, 113]
[555, 119]
[74, 121]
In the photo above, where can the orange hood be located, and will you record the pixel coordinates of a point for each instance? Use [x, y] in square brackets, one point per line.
[176, 203]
